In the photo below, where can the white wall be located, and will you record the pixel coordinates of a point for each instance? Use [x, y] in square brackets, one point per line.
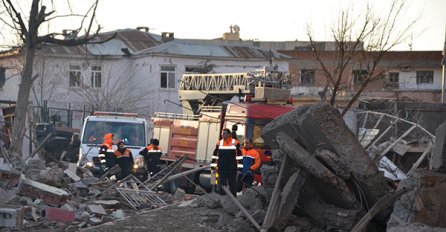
[137, 79]
[12, 75]
[408, 80]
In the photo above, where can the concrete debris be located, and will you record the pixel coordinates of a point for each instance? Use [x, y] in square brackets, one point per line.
[72, 175]
[118, 214]
[68, 207]
[34, 167]
[96, 209]
[326, 173]
[179, 194]
[438, 159]
[7, 195]
[416, 227]
[11, 217]
[423, 204]
[49, 194]
[95, 221]
[322, 178]
[8, 179]
[107, 204]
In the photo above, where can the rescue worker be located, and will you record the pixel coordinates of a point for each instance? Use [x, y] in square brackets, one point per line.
[152, 154]
[106, 152]
[124, 159]
[251, 163]
[227, 154]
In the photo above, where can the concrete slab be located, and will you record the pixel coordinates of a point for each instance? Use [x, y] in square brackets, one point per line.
[438, 161]
[72, 175]
[11, 217]
[49, 194]
[108, 204]
[324, 126]
[96, 209]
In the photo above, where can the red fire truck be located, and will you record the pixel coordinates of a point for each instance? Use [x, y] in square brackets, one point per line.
[208, 108]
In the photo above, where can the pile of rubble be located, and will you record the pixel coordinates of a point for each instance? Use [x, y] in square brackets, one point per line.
[62, 196]
[324, 180]
[321, 179]
[327, 176]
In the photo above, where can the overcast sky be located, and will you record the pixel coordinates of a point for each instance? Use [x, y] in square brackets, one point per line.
[277, 20]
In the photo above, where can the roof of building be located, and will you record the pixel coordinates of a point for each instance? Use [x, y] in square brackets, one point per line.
[181, 47]
[390, 58]
[128, 42]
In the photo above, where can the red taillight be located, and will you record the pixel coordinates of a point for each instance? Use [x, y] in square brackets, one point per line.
[247, 98]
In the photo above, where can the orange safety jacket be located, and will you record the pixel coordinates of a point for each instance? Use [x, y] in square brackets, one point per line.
[119, 154]
[253, 158]
[106, 147]
[153, 148]
[227, 155]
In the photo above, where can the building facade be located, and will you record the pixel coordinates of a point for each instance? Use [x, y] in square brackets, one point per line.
[412, 75]
[134, 71]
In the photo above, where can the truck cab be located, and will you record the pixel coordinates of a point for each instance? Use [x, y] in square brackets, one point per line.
[126, 127]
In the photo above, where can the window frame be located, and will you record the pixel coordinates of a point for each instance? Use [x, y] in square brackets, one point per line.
[307, 77]
[167, 72]
[426, 79]
[95, 75]
[394, 80]
[74, 69]
[2, 77]
[358, 76]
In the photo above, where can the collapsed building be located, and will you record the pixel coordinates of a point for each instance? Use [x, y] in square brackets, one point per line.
[324, 177]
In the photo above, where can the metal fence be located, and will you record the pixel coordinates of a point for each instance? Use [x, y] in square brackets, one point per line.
[65, 117]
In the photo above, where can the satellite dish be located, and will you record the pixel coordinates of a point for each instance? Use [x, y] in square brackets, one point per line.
[236, 28]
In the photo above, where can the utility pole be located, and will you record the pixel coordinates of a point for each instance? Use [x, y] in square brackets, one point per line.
[443, 63]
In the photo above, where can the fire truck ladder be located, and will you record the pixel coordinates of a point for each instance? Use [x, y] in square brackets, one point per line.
[198, 90]
[160, 177]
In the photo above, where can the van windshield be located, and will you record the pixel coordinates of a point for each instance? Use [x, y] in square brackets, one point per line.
[131, 133]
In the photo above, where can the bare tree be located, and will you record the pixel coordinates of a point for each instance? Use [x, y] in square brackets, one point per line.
[360, 43]
[27, 27]
[117, 92]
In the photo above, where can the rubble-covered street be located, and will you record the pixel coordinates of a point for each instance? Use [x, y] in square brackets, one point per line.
[322, 178]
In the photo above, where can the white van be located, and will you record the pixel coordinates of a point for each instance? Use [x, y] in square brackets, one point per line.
[127, 127]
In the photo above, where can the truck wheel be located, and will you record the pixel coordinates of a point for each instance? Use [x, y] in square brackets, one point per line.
[190, 189]
[170, 187]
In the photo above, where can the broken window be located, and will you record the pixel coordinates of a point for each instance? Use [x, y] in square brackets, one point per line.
[425, 77]
[96, 76]
[307, 77]
[359, 76]
[2, 76]
[167, 77]
[74, 76]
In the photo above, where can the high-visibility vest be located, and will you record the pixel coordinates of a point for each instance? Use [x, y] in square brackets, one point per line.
[126, 153]
[223, 152]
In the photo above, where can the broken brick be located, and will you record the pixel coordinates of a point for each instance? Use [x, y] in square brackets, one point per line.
[34, 190]
[57, 214]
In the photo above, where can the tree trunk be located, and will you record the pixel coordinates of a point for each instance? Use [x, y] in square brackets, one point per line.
[18, 131]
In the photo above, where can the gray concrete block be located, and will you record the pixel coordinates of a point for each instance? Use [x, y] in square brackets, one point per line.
[324, 126]
[438, 159]
[287, 123]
